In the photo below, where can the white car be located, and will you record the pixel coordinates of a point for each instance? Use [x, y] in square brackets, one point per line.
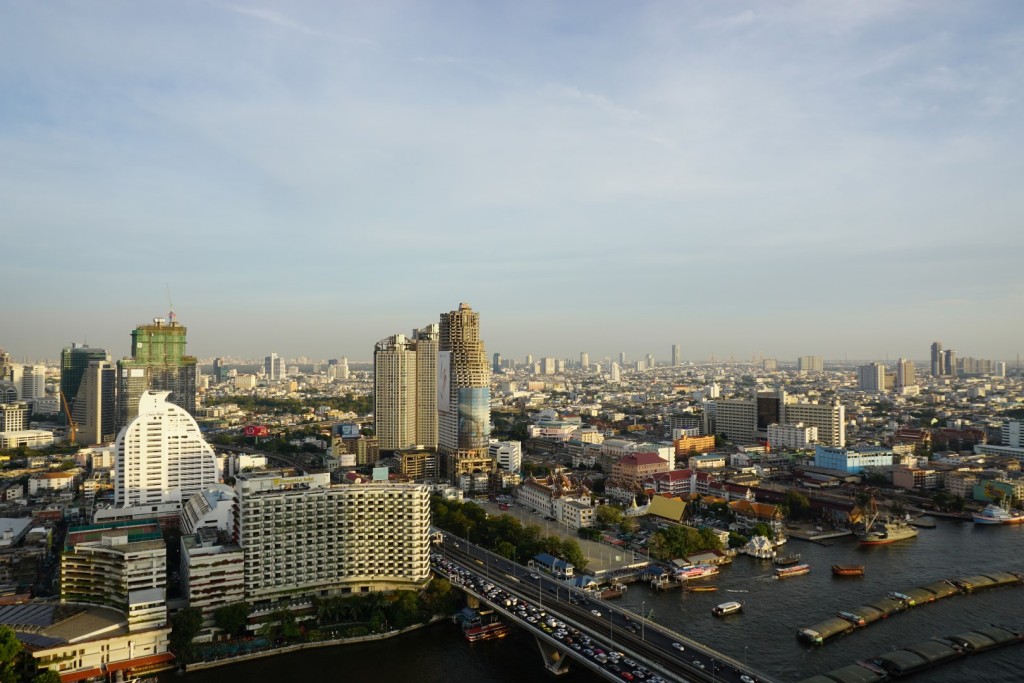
[678, 646]
[746, 679]
[697, 663]
[595, 612]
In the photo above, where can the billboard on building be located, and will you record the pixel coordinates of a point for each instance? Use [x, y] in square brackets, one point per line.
[257, 430]
[444, 380]
[474, 416]
[347, 430]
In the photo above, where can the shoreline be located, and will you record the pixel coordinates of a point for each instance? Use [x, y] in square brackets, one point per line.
[297, 647]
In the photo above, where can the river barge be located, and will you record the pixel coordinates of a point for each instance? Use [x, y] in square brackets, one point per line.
[898, 601]
[847, 570]
[920, 656]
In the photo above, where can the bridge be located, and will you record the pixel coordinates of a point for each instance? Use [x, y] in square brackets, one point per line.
[595, 635]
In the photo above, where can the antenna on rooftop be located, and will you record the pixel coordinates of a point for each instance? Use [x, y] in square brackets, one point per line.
[170, 304]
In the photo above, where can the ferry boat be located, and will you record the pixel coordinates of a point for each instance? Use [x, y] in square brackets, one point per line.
[787, 560]
[795, 570]
[700, 571]
[727, 608]
[998, 514]
[847, 570]
[486, 632]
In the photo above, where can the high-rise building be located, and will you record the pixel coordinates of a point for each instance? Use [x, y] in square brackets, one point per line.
[649, 362]
[547, 366]
[677, 358]
[508, 454]
[496, 363]
[274, 367]
[829, 418]
[906, 375]
[622, 358]
[33, 382]
[158, 363]
[616, 373]
[938, 369]
[95, 408]
[871, 377]
[219, 373]
[405, 390]
[806, 364]
[74, 360]
[161, 455]
[769, 365]
[463, 395]
[303, 537]
[949, 362]
[394, 390]
[584, 360]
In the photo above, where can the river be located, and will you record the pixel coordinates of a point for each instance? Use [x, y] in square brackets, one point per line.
[764, 634]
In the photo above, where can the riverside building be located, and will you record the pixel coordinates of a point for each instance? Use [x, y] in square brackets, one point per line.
[302, 537]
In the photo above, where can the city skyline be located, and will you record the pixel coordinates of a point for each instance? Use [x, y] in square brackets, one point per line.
[642, 167]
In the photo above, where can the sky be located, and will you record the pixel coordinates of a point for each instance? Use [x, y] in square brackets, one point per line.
[740, 178]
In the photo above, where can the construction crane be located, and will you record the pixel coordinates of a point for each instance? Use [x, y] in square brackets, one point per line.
[72, 425]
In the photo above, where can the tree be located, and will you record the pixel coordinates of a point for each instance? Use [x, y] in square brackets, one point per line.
[798, 504]
[10, 648]
[607, 515]
[46, 676]
[232, 618]
[185, 626]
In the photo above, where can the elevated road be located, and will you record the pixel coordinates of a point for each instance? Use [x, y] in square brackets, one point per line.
[667, 655]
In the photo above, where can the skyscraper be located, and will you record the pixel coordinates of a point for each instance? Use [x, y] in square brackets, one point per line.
[273, 367]
[405, 390]
[906, 375]
[677, 359]
[158, 363]
[937, 360]
[161, 455]
[94, 409]
[33, 382]
[584, 360]
[496, 363]
[948, 363]
[219, 375]
[394, 391]
[74, 360]
[463, 395]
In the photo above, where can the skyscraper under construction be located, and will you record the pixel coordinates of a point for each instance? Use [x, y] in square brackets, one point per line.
[158, 363]
[463, 398]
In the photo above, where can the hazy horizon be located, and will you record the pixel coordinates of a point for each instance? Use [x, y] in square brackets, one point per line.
[779, 179]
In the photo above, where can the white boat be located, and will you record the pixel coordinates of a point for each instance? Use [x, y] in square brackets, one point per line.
[998, 514]
[727, 608]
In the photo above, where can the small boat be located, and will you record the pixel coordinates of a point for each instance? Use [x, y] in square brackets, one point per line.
[787, 560]
[855, 619]
[998, 514]
[795, 570]
[727, 608]
[700, 571]
[701, 589]
[847, 570]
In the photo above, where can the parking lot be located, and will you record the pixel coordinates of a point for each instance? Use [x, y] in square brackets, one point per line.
[601, 557]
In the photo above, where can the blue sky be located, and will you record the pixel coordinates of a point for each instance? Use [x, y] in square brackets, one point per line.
[776, 178]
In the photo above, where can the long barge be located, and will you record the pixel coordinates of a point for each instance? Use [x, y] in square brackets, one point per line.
[921, 656]
[867, 614]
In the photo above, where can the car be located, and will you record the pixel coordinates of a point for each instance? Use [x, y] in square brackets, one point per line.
[628, 676]
[697, 663]
[747, 679]
[535, 577]
[678, 646]
[595, 612]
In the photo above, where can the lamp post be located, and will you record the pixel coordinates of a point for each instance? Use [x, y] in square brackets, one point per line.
[643, 619]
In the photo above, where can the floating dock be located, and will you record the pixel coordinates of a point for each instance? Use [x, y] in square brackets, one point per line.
[895, 602]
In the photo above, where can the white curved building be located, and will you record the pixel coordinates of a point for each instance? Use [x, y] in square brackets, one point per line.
[161, 455]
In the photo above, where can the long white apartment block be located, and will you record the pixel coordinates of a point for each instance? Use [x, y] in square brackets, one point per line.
[303, 537]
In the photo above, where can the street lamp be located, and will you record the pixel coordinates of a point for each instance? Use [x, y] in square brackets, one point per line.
[642, 619]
